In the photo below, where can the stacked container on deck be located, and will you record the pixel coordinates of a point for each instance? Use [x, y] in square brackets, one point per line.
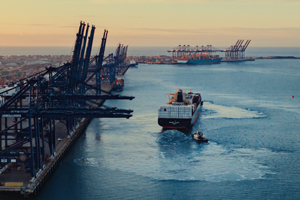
[175, 111]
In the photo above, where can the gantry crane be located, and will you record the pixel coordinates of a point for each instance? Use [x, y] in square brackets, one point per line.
[67, 93]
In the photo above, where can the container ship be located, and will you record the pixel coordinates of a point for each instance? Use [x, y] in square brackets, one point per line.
[203, 58]
[182, 110]
[118, 84]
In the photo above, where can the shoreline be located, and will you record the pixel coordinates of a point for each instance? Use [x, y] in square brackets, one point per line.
[168, 60]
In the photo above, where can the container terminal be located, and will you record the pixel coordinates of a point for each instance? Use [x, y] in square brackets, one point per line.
[186, 54]
[232, 54]
[42, 116]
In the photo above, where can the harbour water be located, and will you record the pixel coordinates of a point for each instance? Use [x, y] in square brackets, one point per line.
[249, 117]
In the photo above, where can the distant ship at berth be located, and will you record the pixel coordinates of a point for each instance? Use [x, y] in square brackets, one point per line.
[203, 58]
[195, 55]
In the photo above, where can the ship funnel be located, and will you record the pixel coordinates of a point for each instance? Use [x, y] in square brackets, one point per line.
[179, 96]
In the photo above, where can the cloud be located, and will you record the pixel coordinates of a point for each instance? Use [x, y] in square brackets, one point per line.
[224, 31]
[26, 39]
[219, 37]
[39, 24]
[72, 27]
[86, 16]
[216, 37]
[188, 1]
[17, 24]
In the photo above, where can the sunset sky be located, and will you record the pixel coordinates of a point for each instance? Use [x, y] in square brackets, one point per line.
[268, 23]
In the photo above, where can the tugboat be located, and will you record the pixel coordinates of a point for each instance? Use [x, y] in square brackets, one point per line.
[198, 137]
[182, 110]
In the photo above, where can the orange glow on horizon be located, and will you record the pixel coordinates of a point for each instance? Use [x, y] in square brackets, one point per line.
[152, 22]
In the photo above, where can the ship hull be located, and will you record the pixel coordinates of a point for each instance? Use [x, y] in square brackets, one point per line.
[174, 123]
[201, 62]
[117, 88]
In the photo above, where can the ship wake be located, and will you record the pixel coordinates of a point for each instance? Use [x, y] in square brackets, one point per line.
[175, 156]
[213, 111]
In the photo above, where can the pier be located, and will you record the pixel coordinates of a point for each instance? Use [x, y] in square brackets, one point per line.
[43, 115]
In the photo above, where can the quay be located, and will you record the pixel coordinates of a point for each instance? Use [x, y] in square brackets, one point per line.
[43, 115]
[18, 180]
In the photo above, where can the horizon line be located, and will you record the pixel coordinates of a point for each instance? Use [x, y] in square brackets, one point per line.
[162, 46]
